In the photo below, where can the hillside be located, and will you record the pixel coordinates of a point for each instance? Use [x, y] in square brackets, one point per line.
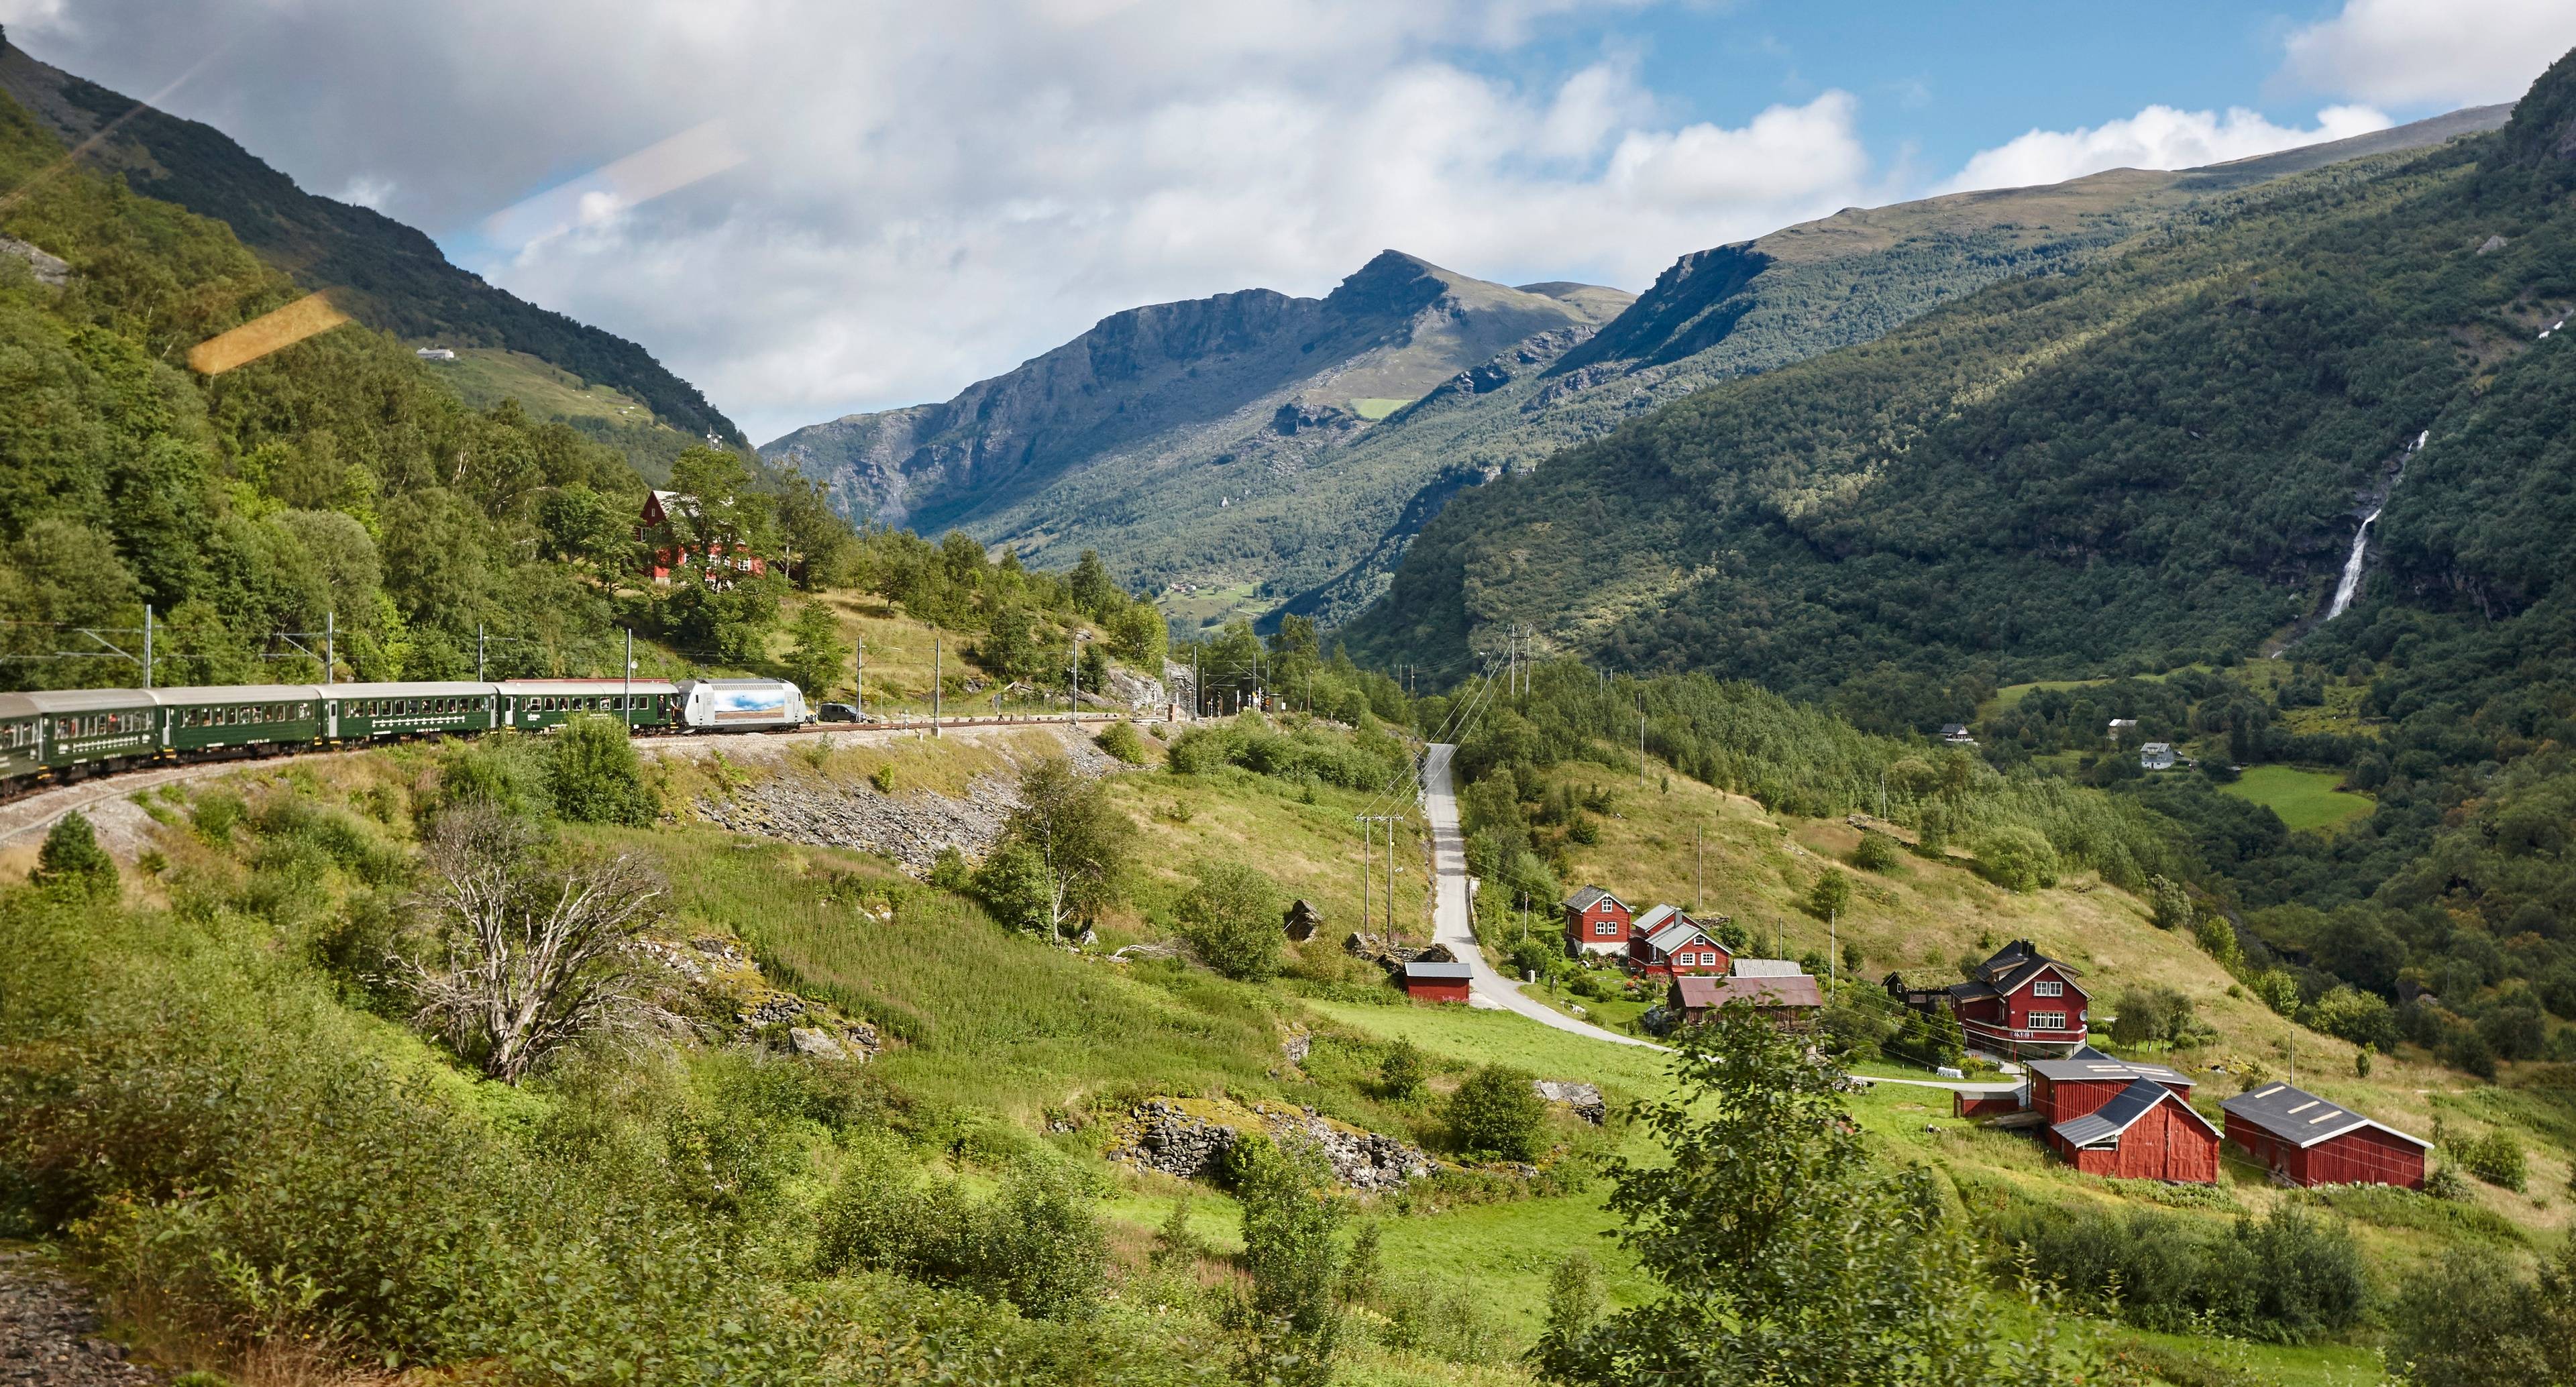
[384, 273]
[2167, 450]
[1204, 405]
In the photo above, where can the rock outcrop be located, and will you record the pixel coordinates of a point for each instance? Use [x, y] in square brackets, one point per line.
[1188, 1138]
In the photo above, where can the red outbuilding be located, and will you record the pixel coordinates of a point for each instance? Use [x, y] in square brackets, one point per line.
[1597, 922]
[2145, 1132]
[2305, 1140]
[1428, 981]
[2061, 1090]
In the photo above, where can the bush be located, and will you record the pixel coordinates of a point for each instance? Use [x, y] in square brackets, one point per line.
[2364, 1018]
[1040, 1245]
[71, 861]
[1497, 1113]
[2492, 1156]
[1400, 1075]
[1014, 885]
[2172, 903]
[2150, 1015]
[1289, 1223]
[1121, 741]
[1831, 895]
[1876, 852]
[1231, 919]
[594, 776]
[2288, 1277]
[2017, 859]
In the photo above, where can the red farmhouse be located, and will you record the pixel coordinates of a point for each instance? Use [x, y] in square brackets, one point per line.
[2144, 1132]
[1596, 922]
[720, 561]
[2021, 1002]
[1664, 943]
[1427, 981]
[1791, 1001]
[2306, 1140]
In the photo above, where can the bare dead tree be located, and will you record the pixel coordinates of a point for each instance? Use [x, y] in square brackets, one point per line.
[522, 956]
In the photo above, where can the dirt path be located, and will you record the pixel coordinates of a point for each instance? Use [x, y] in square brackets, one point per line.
[49, 1333]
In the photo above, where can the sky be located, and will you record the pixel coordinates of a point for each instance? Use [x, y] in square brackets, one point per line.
[815, 207]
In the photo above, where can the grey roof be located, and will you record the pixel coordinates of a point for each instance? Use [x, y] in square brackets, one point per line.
[2123, 1112]
[85, 700]
[1654, 919]
[1768, 968]
[16, 706]
[1591, 896]
[2099, 1066]
[444, 688]
[1437, 972]
[2300, 1117]
[1673, 936]
[541, 687]
[234, 693]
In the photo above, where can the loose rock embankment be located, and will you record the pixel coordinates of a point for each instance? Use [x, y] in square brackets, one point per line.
[1168, 1136]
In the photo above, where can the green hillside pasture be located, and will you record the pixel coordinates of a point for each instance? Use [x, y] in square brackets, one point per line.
[2303, 799]
[983, 1017]
[1375, 409]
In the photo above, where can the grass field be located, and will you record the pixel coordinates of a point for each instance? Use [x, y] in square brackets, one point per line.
[1374, 409]
[2303, 799]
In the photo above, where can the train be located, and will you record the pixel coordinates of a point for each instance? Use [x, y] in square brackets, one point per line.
[67, 734]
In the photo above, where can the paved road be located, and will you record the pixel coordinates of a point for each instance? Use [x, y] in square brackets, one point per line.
[1452, 925]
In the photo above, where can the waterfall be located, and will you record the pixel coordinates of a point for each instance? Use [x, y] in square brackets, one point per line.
[2351, 580]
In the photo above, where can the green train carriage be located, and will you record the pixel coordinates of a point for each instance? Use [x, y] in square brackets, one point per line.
[82, 732]
[540, 705]
[241, 717]
[369, 712]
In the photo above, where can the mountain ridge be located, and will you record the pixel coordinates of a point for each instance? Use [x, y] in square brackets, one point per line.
[383, 272]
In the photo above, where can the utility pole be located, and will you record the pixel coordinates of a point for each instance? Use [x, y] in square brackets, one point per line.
[1367, 836]
[1073, 682]
[479, 676]
[1641, 739]
[1833, 946]
[330, 642]
[1699, 867]
[147, 645]
[859, 675]
[1882, 794]
[1198, 698]
[626, 695]
[934, 686]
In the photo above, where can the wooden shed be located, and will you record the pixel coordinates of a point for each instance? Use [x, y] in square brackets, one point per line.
[2305, 1140]
[2062, 1090]
[2146, 1132]
[1427, 980]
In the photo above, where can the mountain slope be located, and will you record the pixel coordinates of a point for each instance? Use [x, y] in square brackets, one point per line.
[2165, 451]
[382, 272]
[1193, 402]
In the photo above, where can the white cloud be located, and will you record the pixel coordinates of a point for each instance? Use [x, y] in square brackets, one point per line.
[932, 193]
[366, 190]
[2432, 52]
[2158, 137]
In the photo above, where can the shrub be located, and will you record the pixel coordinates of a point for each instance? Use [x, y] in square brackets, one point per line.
[2216, 935]
[2492, 1156]
[1400, 1075]
[2150, 1015]
[2172, 903]
[2364, 1018]
[2017, 859]
[1497, 1113]
[71, 861]
[1831, 895]
[1121, 742]
[1876, 852]
[1231, 918]
[594, 776]
[1013, 883]
[1040, 1245]
[2288, 1277]
[1289, 1223]
[882, 778]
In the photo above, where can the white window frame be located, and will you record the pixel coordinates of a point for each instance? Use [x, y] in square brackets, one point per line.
[2048, 1020]
[2048, 987]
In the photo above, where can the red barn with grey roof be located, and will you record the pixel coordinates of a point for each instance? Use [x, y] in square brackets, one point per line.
[2306, 1140]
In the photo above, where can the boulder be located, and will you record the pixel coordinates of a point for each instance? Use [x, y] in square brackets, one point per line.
[1584, 1099]
[814, 1043]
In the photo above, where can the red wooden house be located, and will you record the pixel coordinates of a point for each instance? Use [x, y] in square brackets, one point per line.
[1665, 943]
[677, 538]
[2144, 1132]
[1432, 981]
[2305, 1140]
[2021, 1002]
[1597, 922]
